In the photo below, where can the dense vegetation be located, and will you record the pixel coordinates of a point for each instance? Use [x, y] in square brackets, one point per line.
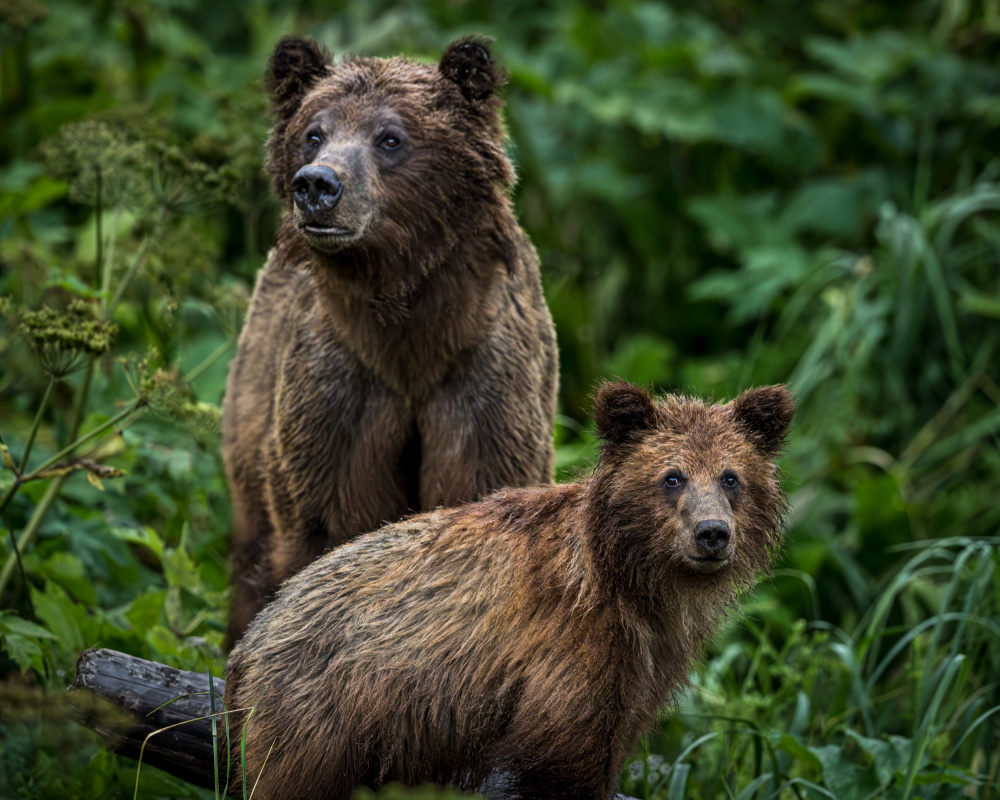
[723, 194]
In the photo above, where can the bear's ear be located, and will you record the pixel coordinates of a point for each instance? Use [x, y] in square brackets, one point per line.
[622, 410]
[295, 66]
[765, 415]
[467, 62]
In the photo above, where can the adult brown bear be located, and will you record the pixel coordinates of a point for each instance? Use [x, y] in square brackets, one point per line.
[532, 635]
[398, 354]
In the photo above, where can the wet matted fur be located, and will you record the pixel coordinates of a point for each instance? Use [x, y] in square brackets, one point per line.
[398, 354]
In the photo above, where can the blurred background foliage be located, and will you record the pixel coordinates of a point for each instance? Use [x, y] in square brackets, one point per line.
[723, 194]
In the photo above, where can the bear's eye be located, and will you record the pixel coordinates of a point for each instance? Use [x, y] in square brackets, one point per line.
[673, 480]
[730, 481]
[390, 143]
[313, 140]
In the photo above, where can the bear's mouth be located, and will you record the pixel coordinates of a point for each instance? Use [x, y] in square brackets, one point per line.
[324, 232]
[709, 563]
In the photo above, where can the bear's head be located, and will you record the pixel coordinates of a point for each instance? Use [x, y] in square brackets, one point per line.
[389, 156]
[688, 493]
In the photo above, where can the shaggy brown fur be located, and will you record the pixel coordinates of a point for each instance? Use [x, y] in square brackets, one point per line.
[533, 634]
[398, 354]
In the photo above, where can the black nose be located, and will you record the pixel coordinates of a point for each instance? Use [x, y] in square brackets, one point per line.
[711, 535]
[316, 188]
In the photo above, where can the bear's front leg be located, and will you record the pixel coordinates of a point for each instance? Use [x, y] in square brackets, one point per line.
[332, 458]
[487, 425]
[554, 779]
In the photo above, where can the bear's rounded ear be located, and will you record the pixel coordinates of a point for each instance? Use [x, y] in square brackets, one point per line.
[467, 62]
[295, 66]
[622, 410]
[765, 415]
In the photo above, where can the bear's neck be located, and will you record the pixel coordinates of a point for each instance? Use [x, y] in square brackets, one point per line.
[408, 318]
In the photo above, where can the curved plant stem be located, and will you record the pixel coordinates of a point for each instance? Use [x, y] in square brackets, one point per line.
[51, 493]
[30, 530]
[35, 424]
[109, 262]
[8, 494]
[132, 269]
[99, 212]
[210, 359]
[100, 429]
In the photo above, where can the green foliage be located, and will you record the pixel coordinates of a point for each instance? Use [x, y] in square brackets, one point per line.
[723, 194]
[870, 714]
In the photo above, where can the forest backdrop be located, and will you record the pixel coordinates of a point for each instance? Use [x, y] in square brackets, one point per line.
[723, 194]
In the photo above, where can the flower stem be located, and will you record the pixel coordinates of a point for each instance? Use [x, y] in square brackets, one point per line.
[109, 263]
[210, 359]
[9, 494]
[36, 423]
[30, 530]
[100, 228]
[127, 279]
[52, 492]
[66, 451]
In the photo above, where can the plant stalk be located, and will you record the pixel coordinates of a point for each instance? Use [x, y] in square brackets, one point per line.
[133, 268]
[211, 358]
[35, 424]
[30, 530]
[52, 492]
[109, 264]
[68, 450]
[99, 223]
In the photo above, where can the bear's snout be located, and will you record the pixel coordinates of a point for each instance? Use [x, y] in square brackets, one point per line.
[316, 189]
[711, 536]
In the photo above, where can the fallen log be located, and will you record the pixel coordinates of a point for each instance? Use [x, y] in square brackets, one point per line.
[145, 689]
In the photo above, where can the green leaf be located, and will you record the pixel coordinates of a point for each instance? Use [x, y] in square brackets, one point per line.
[23, 651]
[845, 779]
[164, 641]
[147, 537]
[977, 303]
[180, 570]
[55, 608]
[43, 191]
[794, 747]
[768, 271]
[146, 610]
[11, 623]
[873, 58]
[74, 286]
[679, 781]
[889, 758]
[68, 571]
[20, 638]
[642, 359]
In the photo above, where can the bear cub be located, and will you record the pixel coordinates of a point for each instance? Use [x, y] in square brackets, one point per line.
[531, 636]
[398, 354]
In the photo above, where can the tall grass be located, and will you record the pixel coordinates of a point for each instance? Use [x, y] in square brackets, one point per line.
[891, 709]
[891, 689]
